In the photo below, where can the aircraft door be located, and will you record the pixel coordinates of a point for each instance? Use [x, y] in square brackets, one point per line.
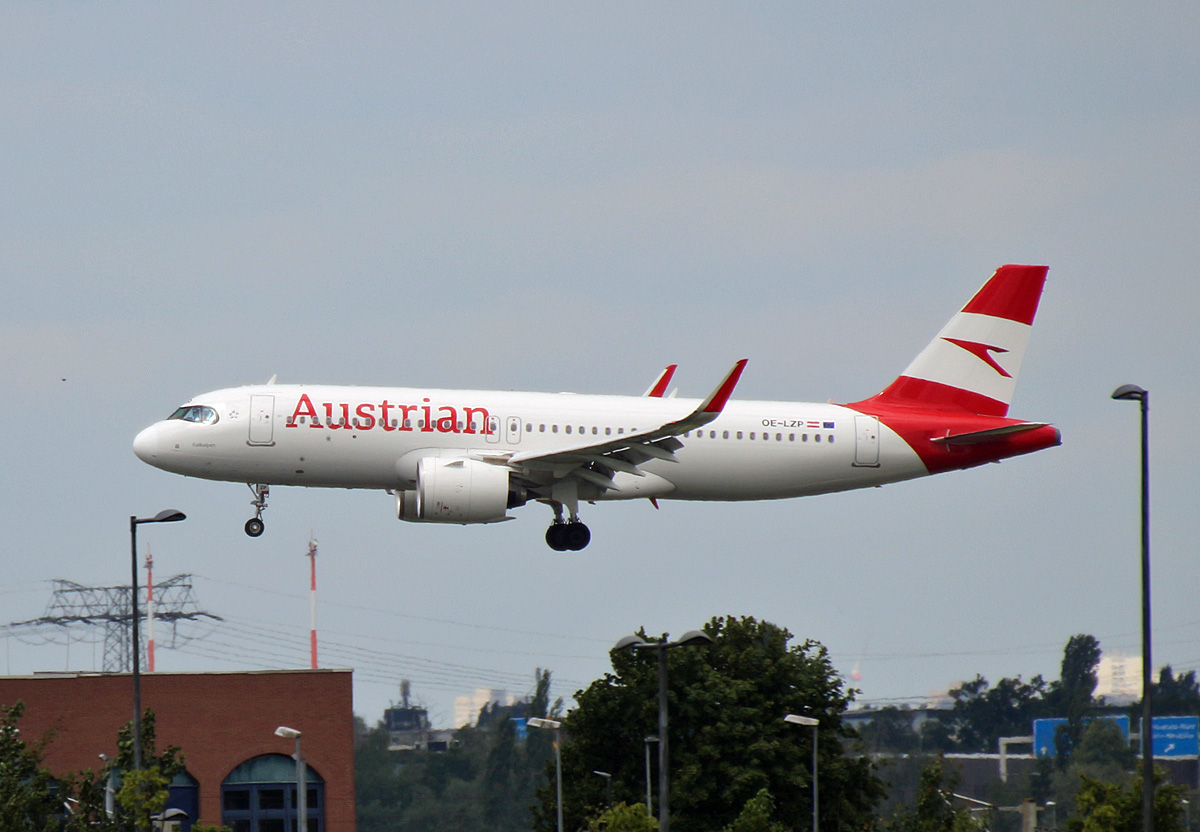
[262, 414]
[493, 429]
[866, 441]
[512, 433]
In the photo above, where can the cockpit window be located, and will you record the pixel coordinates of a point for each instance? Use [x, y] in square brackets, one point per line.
[195, 413]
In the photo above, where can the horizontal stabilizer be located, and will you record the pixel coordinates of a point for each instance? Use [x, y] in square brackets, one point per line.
[978, 437]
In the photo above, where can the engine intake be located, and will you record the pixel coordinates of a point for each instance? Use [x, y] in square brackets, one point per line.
[456, 491]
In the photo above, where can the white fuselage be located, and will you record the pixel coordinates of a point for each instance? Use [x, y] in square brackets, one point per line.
[372, 437]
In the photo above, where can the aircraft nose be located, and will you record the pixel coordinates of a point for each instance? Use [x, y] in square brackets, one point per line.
[146, 443]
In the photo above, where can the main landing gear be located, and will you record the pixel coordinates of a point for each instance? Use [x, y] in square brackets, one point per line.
[255, 526]
[563, 536]
[567, 535]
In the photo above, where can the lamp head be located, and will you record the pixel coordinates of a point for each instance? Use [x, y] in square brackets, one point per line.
[287, 733]
[692, 638]
[169, 515]
[538, 722]
[1130, 392]
[796, 719]
[628, 643]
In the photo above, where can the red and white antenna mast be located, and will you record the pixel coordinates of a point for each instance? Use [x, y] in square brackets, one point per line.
[312, 598]
[149, 610]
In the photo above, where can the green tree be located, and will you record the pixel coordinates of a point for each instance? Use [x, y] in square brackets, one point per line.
[623, 818]
[144, 793]
[757, 816]
[32, 799]
[486, 781]
[982, 714]
[1071, 695]
[1117, 807]
[728, 738]
[29, 796]
[933, 811]
[1174, 695]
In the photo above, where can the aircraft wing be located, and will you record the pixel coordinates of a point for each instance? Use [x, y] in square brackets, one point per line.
[597, 462]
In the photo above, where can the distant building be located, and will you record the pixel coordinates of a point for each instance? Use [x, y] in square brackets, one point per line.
[1119, 678]
[239, 773]
[467, 708]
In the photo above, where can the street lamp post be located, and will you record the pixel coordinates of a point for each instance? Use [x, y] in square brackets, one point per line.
[555, 726]
[796, 719]
[607, 786]
[649, 797]
[301, 778]
[166, 516]
[1131, 392]
[691, 638]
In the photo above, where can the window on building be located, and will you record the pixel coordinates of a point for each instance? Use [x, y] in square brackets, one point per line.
[260, 796]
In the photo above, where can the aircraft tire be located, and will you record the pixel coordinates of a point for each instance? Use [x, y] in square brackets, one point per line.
[254, 527]
[578, 536]
[556, 537]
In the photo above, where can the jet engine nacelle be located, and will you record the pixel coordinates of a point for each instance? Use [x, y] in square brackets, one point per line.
[456, 491]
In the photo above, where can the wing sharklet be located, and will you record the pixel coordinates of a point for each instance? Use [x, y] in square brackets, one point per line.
[659, 386]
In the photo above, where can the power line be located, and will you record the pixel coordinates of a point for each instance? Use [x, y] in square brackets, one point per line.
[73, 606]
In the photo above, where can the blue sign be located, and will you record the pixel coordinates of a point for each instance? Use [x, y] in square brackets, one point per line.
[1044, 731]
[1175, 736]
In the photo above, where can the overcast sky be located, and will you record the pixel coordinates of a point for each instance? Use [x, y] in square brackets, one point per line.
[560, 197]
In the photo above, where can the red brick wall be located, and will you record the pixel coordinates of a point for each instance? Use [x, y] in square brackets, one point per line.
[218, 719]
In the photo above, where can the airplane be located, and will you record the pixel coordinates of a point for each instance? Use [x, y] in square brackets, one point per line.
[470, 456]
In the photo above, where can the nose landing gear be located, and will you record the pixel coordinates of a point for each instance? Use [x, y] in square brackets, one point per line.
[255, 526]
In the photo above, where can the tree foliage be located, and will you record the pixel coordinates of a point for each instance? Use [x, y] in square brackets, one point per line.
[933, 810]
[727, 736]
[34, 800]
[1175, 695]
[757, 816]
[1117, 807]
[623, 818]
[486, 781]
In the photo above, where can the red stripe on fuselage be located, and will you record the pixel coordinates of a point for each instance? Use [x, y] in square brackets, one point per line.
[919, 427]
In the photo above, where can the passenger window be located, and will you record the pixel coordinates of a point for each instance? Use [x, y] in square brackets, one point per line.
[554, 429]
[739, 434]
[831, 439]
[817, 438]
[724, 434]
[568, 428]
[753, 435]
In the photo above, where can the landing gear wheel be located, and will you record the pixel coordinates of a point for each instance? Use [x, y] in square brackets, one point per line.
[578, 536]
[254, 527]
[573, 536]
[556, 538]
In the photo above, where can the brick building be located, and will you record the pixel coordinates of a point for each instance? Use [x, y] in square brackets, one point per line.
[238, 772]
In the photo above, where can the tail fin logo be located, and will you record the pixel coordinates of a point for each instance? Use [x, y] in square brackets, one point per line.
[983, 352]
